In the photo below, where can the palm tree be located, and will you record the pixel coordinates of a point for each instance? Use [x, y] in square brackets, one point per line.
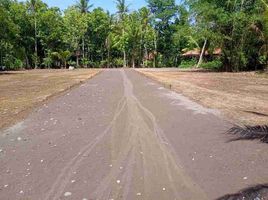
[249, 133]
[108, 41]
[83, 6]
[145, 18]
[33, 9]
[122, 9]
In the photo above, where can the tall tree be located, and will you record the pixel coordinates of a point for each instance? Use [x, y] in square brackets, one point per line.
[122, 10]
[75, 28]
[83, 6]
[33, 8]
[164, 12]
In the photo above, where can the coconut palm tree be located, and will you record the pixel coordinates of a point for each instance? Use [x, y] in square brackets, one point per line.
[83, 6]
[122, 10]
[33, 4]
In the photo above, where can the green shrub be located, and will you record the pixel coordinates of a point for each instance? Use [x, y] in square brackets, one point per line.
[212, 65]
[92, 64]
[72, 63]
[103, 64]
[12, 63]
[118, 62]
[150, 63]
[188, 64]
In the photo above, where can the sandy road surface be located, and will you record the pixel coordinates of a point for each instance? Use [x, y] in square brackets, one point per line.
[123, 136]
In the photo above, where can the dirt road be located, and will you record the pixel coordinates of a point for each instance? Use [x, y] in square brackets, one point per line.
[123, 136]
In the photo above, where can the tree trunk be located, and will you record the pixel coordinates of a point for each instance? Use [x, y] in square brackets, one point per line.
[35, 45]
[83, 46]
[1, 59]
[27, 61]
[133, 62]
[146, 56]
[202, 54]
[125, 59]
[77, 61]
[124, 52]
[155, 53]
[108, 64]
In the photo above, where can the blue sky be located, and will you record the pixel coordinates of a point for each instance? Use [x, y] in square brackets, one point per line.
[106, 4]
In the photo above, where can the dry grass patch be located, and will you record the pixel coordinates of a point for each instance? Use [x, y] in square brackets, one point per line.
[22, 91]
[242, 97]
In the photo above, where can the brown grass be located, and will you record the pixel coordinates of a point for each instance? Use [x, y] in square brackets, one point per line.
[24, 90]
[242, 97]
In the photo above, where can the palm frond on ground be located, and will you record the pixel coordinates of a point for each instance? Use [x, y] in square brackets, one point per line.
[256, 192]
[249, 133]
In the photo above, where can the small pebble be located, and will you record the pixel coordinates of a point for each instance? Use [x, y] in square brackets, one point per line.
[192, 159]
[21, 192]
[164, 189]
[111, 165]
[121, 168]
[245, 178]
[73, 181]
[42, 161]
[84, 199]
[1, 150]
[118, 181]
[19, 139]
[5, 186]
[67, 194]
[139, 194]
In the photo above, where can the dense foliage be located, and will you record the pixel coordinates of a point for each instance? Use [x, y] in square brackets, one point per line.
[34, 35]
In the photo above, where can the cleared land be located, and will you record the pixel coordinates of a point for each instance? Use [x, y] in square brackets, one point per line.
[242, 97]
[21, 91]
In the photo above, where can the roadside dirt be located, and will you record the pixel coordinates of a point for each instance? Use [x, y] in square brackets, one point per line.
[21, 91]
[241, 97]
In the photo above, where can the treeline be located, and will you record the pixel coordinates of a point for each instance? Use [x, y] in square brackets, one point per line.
[34, 35]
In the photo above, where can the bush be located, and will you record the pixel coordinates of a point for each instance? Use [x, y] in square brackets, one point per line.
[212, 65]
[92, 64]
[188, 63]
[12, 63]
[103, 64]
[72, 63]
[118, 62]
[150, 63]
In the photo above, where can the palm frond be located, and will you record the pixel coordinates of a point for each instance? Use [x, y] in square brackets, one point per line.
[249, 133]
[255, 192]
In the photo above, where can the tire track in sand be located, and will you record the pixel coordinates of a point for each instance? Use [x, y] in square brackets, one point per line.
[149, 162]
[66, 173]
